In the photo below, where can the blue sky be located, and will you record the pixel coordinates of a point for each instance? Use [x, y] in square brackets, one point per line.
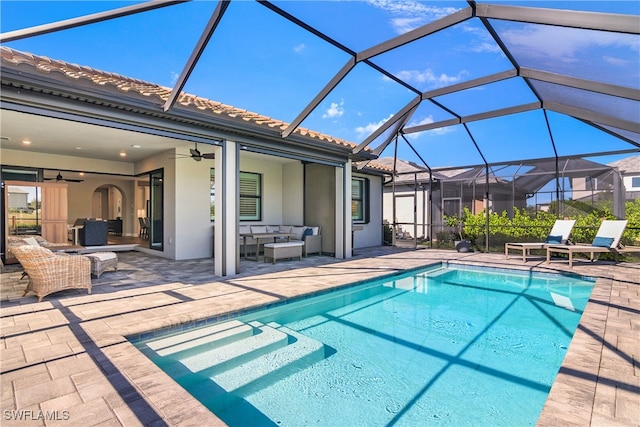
[258, 61]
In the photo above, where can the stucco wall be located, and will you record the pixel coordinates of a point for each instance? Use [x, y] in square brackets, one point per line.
[371, 234]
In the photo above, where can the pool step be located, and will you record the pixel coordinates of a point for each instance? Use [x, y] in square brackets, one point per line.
[237, 352]
[302, 352]
[215, 335]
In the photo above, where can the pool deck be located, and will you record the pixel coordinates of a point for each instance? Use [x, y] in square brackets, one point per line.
[65, 361]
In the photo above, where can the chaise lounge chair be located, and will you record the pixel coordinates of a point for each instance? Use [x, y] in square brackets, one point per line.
[607, 240]
[559, 235]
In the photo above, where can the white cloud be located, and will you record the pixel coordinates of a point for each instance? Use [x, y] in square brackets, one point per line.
[371, 127]
[413, 14]
[334, 111]
[174, 77]
[615, 61]
[299, 48]
[425, 121]
[483, 42]
[562, 44]
[430, 78]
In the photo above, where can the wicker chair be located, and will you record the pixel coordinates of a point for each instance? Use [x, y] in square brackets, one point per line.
[49, 272]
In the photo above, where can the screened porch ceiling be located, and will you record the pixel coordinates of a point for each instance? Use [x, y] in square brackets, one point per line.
[456, 83]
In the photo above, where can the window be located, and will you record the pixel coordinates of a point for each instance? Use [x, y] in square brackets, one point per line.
[250, 196]
[360, 200]
[635, 182]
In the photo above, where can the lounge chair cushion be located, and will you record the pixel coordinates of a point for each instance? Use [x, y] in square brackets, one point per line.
[554, 239]
[604, 242]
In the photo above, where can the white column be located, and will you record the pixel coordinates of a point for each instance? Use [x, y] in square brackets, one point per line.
[226, 257]
[343, 211]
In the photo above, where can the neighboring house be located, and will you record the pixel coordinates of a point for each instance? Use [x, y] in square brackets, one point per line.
[308, 178]
[451, 191]
[18, 199]
[629, 168]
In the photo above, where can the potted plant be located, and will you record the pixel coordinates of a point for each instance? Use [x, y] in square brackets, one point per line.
[462, 245]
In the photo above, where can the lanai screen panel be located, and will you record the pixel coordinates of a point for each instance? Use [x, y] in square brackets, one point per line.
[152, 46]
[601, 56]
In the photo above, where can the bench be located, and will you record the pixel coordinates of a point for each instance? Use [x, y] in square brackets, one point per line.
[275, 251]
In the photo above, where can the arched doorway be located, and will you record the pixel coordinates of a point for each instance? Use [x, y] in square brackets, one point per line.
[108, 203]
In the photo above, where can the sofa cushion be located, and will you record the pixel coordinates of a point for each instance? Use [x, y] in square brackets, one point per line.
[273, 228]
[285, 229]
[244, 229]
[297, 232]
[258, 228]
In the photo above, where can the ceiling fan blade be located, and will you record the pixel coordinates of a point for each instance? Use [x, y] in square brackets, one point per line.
[209, 155]
[194, 152]
[74, 180]
[197, 158]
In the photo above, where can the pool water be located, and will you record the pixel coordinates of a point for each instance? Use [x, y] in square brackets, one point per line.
[442, 346]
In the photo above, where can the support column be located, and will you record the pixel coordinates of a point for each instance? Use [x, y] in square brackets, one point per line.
[227, 255]
[344, 247]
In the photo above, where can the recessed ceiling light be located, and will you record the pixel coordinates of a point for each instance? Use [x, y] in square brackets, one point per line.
[26, 142]
[136, 146]
[123, 154]
[78, 148]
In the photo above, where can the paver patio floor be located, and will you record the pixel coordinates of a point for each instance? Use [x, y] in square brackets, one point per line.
[65, 361]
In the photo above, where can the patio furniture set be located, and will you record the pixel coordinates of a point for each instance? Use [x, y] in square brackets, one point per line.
[280, 241]
[607, 240]
[53, 267]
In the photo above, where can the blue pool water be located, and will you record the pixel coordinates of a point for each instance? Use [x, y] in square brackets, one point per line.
[442, 346]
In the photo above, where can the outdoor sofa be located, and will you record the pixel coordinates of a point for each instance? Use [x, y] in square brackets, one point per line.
[310, 235]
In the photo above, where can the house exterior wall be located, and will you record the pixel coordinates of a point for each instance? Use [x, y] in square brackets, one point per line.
[293, 193]
[371, 234]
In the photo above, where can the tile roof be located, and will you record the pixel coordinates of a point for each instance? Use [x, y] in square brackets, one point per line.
[125, 84]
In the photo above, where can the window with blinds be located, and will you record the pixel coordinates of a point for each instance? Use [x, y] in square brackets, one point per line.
[359, 202]
[250, 202]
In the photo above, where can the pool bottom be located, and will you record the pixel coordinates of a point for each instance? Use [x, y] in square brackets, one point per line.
[413, 350]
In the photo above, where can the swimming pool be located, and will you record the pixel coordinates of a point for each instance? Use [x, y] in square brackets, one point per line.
[440, 346]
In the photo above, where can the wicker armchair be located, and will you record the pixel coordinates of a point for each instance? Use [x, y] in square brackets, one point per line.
[49, 272]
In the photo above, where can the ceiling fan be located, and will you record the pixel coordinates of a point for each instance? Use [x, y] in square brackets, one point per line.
[59, 178]
[196, 155]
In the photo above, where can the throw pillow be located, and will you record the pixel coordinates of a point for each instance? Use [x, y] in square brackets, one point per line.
[315, 231]
[307, 232]
[604, 242]
[31, 241]
[554, 239]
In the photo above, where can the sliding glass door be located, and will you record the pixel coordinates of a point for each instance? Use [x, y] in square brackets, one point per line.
[156, 205]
